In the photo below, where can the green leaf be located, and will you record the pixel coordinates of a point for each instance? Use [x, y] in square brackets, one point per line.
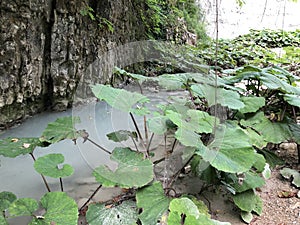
[271, 158]
[287, 173]
[61, 129]
[190, 124]
[6, 198]
[252, 104]
[121, 99]
[23, 207]
[274, 132]
[247, 201]
[256, 139]
[258, 205]
[60, 210]
[185, 206]
[228, 98]
[250, 181]
[172, 81]
[182, 206]
[3, 220]
[230, 151]
[246, 216]
[13, 147]
[48, 165]
[133, 170]
[158, 124]
[292, 99]
[153, 202]
[121, 135]
[124, 214]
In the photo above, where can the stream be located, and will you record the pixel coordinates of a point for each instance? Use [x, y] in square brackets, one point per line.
[98, 119]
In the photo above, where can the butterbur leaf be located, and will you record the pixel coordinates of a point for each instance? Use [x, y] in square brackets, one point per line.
[121, 135]
[61, 129]
[13, 147]
[287, 173]
[158, 124]
[123, 214]
[228, 98]
[292, 99]
[48, 165]
[3, 220]
[246, 216]
[248, 201]
[252, 104]
[185, 206]
[23, 207]
[60, 210]
[121, 99]
[6, 198]
[133, 170]
[251, 181]
[274, 132]
[271, 158]
[153, 202]
[230, 151]
[172, 81]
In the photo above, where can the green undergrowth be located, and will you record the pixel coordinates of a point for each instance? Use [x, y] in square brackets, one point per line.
[222, 129]
[259, 47]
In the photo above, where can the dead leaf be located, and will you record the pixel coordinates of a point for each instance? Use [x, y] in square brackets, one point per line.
[286, 194]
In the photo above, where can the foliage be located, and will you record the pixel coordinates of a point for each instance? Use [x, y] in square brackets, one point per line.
[102, 22]
[255, 48]
[222, 124]
[170, 19]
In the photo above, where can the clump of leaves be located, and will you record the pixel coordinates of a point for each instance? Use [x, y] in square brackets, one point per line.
[222, 128]
[255, 48]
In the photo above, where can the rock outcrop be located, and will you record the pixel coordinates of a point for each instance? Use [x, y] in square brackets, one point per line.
[46, 45]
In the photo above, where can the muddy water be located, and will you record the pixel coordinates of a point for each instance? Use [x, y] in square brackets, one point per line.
[18, 175]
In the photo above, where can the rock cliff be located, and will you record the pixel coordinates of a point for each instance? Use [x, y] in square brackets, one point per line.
[46, 45]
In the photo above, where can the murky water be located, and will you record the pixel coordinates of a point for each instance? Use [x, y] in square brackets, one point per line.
[98, 119]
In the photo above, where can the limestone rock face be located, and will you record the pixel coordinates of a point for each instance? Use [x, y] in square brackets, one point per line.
[47, 45]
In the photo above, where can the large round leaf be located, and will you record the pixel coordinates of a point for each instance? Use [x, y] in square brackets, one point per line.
[274, 132]
[60, 129]
[60, 210]
[48, 165]
[13, 147]
[133, 170]
[124, 214]
[6, 198]
[23, 207]
[121, 99]
[154, 203]
[230, 151]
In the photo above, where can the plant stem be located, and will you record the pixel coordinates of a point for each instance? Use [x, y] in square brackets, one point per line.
[90, 198]
[137, 149]
[136, 126]
[61, 184]
[99, 146]
[43, 177]
[178, 172]
[150, 141]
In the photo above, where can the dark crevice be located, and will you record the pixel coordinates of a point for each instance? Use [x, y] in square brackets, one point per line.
[48, 101]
